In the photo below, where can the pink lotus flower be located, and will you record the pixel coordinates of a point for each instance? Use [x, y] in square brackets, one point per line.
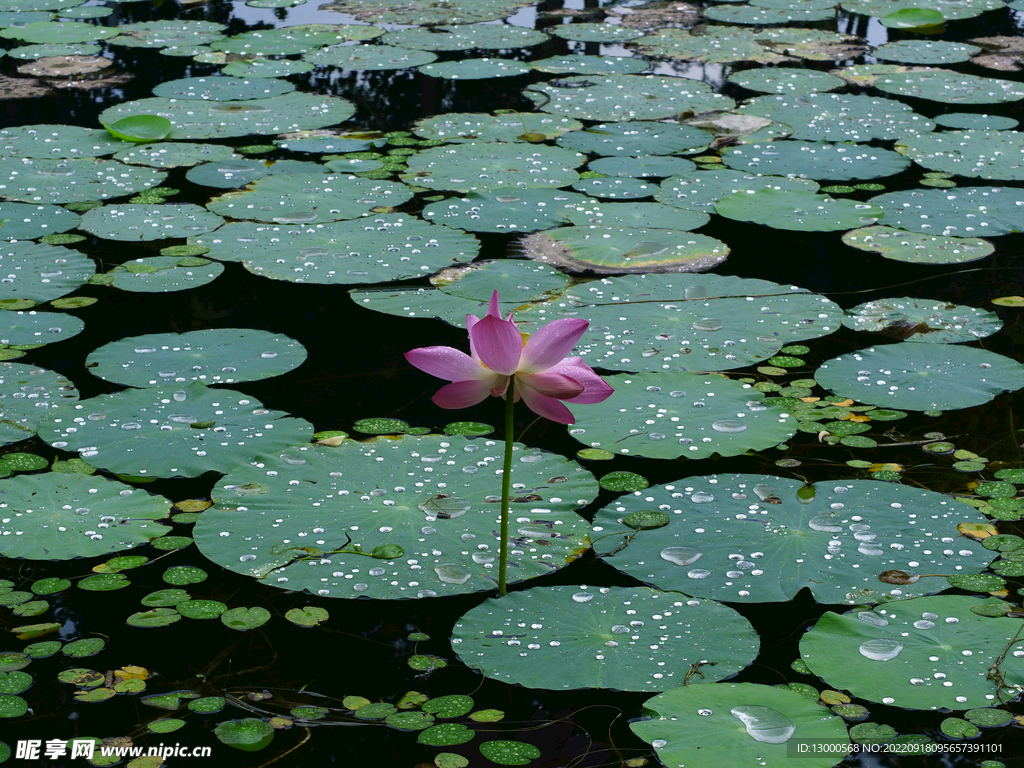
[536, 364]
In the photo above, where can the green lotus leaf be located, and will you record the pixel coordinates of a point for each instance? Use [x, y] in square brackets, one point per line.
[794, 210]
[921, 377]
[725, 44]
[668, 416]
[214, 356]
[579, 64]
[426, 12]
[525, 210]
[751, 723]
[163, 274]
[925, 52]
[622, 638]
[458, 127]
[642, 215]
[65, 181]
[785, 80]
[25, 221]
[899, 245]
[815, 160]
[761, 16]
[839, 117]
[132, 223]
[201, 609]
[454, 508]
[625, 97]
[60, 32]
[300, 38]
[140, 128]
[616, 188]
[26, 394]
[948, 9]
[260, 67]
[175, 154]
[171, 431]
[980, 154]
[342, 252]
[618, 250]
[248, 735]
[222, 88]
[68, 516]
[39, 272]
[908, 319]
[749, 538]
[481, 166]
[167, 33]
[23, 6]
[964, 212]
[949, 87]
[245, 618]
[888, 655]
[309, 198]
[644, 167]
[57, 141]
[974, 121]
[686, 322]
[222, 119]
[461, 37]
[37, 328]
[520, 281]
[701, 191]
[476, 69]
[361, 58]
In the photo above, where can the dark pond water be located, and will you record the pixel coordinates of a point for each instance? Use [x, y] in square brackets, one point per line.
[355, 369]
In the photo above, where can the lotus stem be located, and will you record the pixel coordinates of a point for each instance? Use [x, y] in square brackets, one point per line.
[506, 484]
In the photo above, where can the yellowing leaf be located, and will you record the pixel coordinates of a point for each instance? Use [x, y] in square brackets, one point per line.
[834, 697]
[810, 399]
[192, 505]
[977, 531]
[332, 442]
[859, 417]
[887, 467]
[844, 403]
[1009, 301]
[1000, 593]
[131, 672]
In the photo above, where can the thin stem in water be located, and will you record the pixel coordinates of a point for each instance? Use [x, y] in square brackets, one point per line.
[506, 485]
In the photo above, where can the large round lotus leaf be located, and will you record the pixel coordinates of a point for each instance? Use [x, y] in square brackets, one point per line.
[925, 52]
[231, 173]
[429, 499]
[720, 45]
[67, 181]
[222, 119]
[517, 281]
[24, 221]
[702, 190]
[167, 33]
[55, 516]
[26, 394]
[995, 155]
[687, 322]
[525, 210]
[58, 32]
[786, 80]
[220, 88]
[169, 432]
[18, 328]
[465, 37]
[753, 15]
[309, 198]
[926, 320]
[480, 165]
[58, 141]
[681, 415]
[136, 223]
[760, 539]
[643, 167]
[616, 188]
[301, 38]
[812, 160]
[962, 212]
[431, 303]
[625, 97]
[361, 58]
[426, 12]
[579, 64]
[618, 638]
[915, 248]
[259, 67]
[509, 126]
[697, 724]
[50, 50]
[949, 87]
[215, 356]
[974, 121]
[921, 377]
[476, 69]
[950, 9]
[14, 18]
[163, 274]
[589, 32]
[175, 154]
[625, 249]
[648, 215]
[839, 116]
[802, 211]
[371, 250]
[928, 653]
[41, 272]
